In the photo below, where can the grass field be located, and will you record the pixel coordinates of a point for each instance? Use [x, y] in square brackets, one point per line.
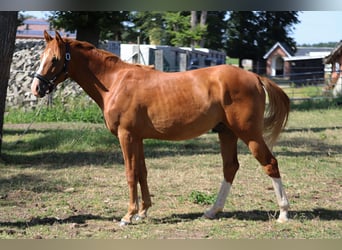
[66, 180]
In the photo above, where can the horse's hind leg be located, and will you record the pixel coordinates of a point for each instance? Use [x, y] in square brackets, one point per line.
[261, 152]
[228, 142]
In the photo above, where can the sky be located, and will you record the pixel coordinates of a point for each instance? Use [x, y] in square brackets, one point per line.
[318, 26]
[315, 26]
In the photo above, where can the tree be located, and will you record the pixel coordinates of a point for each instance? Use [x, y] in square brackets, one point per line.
[241, 32]
[163, 27]
[216, 26]
[198, 29]
[8, 28]
[178, 28]
[250, 34]
[91, 25]
[149, 25]
[155, 27]
[184, 28]
[276, 26]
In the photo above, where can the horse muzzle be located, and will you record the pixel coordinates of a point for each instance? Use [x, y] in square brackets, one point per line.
[41, 86]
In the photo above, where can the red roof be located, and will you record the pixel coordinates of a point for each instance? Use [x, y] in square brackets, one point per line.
[34, 28]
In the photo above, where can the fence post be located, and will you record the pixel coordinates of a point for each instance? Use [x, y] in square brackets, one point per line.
[182, 62]
[159, 60]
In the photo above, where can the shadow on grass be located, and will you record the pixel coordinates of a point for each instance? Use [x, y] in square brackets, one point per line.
[257, 215]
[58, 160]
[53, 149]
[37, 221]
[315, 130]
[253, 215]
[301, 147]
[47, 149]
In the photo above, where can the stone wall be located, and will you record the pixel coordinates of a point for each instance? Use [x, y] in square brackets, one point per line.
[25, 63]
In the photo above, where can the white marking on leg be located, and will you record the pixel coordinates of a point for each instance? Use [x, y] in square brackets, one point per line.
[281, 198]
[221, 199]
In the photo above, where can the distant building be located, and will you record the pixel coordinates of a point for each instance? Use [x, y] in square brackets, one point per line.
[166, 58]
[34, 29]
[203, 57]
[304, 65]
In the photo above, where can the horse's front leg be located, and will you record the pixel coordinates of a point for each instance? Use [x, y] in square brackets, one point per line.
[130, 147]
[146, 198]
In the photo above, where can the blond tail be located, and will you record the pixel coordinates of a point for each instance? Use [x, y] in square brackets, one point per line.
[277, 111]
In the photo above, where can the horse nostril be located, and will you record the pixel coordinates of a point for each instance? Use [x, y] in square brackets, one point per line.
[36, 89]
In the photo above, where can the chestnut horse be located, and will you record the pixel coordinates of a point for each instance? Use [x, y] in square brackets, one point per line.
[139, 102]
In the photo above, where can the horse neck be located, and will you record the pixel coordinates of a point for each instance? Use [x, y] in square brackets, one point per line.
[88, 68]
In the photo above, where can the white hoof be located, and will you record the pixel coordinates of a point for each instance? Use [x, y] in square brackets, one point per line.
[123, 223]
[282, 220]
[283, 217]
[138, 218]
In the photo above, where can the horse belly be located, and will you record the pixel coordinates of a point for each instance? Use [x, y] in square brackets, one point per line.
[185, 124]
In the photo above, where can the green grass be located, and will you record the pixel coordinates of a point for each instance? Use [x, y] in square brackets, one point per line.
[79, 109]
[304, 92]
[232, 61]
[67, 180]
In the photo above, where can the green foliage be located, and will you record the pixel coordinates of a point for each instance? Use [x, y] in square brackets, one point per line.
[178, 28]
[167, 28]
[58, 112]
[149, 26]
[157, 27]
[202, 198]
[91, 25]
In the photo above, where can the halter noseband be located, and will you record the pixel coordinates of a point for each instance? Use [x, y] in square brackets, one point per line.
[50, 84]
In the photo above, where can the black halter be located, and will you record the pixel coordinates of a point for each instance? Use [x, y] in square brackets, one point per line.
[49, 85]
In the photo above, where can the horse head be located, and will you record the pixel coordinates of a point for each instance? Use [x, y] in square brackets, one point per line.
[53, 67]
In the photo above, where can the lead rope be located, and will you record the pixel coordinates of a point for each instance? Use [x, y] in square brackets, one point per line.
[40, 105]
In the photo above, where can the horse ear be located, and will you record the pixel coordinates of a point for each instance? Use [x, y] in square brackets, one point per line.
[58, 37]
[47, 37]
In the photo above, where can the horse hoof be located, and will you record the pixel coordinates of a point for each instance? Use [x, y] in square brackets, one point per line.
[138, 218]
[208, 215]
[123, 223]
[282, 220]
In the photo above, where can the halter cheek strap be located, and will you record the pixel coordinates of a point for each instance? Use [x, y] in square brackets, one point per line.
[51, 83]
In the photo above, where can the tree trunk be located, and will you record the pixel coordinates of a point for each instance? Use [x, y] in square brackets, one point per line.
[89, 34]
[203, 22]
[193, 22]
[8, 28]
[193, 19]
